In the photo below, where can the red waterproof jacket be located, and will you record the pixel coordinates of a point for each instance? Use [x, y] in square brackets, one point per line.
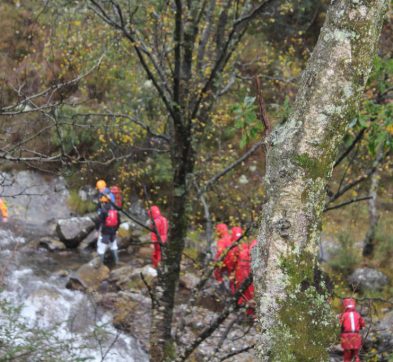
[243, 269]
[230, 259]
[351, 323]
[223, 243]
[161, 224]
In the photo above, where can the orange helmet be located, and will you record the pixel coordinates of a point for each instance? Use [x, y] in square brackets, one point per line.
[101, 184]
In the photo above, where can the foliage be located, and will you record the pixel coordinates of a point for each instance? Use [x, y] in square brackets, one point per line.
[345, 258]
[79, 206]
[246, 120]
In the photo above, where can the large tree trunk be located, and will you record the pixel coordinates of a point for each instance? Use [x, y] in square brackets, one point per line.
[295, 319]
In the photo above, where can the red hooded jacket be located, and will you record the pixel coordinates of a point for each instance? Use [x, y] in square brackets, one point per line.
[351, 323]
[223, 243]
[160, 222]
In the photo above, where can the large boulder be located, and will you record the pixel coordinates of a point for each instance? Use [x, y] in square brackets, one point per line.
[72, 231]
[367, 279]
[88, 276]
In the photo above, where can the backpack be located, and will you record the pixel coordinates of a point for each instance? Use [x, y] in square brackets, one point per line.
[112, 219]
[118, 198]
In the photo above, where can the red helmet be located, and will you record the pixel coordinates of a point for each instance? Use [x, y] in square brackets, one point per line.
[222, 229]
[154, 212]
[349, 303]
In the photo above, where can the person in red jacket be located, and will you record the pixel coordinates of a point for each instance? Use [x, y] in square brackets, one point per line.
[242, 272]
[158, 225]
[223, 243]
[351, 323]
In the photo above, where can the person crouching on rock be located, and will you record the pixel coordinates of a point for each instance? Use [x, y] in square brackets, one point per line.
[351, 323]
[107, 226]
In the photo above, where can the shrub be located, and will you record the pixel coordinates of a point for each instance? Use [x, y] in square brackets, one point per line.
[78, 206]
[346, 257]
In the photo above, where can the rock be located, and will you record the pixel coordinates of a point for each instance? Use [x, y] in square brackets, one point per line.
[127, 277]
[89, 241]
[50, 244]
[88, 277]
[87, 193]
[41, 198]
[62, 273]
[367, 279]
[188, 281]
[72, 231]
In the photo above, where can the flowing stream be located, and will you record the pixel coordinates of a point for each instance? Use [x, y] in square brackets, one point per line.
[34, 283]
[36, 309]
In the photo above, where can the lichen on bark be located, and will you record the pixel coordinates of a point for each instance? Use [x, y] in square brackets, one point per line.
[300, 157]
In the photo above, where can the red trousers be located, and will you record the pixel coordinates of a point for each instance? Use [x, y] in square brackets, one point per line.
[351, 343]
[156, 256]
[350, 354]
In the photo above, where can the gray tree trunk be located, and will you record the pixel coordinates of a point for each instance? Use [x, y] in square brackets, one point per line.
[369, 240]
[295, 319]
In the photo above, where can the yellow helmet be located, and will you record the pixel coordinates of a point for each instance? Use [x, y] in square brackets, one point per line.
[101, 184]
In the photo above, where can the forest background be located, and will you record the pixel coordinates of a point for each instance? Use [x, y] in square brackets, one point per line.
[103, 118]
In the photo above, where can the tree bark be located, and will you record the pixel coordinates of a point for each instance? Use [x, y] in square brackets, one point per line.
[369, 240]
[295, 319]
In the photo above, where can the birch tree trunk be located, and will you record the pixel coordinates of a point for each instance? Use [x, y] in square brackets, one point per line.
[295, 319]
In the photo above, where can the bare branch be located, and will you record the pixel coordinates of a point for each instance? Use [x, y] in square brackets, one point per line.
[357, 139]
[347, 203]
[215, 178]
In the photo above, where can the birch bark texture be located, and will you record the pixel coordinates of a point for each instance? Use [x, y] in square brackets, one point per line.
[293, 314]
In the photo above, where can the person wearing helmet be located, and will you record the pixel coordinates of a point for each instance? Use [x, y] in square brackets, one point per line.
[223, 243]
[159, 226]
[351, 323]
[104, 190]
[107, 226]
[242, 272]
[3, 211]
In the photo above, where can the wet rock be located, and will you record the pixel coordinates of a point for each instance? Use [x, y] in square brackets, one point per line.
[128, 277]
[41, 198]
[72, 231]
[367, 279]
[50, 244]
[188, 281]
[89, 241]
[88, 277]
[62, 273]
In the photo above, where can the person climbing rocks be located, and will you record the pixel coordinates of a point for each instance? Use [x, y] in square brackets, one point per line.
[159, 225]
[242, 272]
[107, 226]
[351, 323]
[3, 211]
[223, 243]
